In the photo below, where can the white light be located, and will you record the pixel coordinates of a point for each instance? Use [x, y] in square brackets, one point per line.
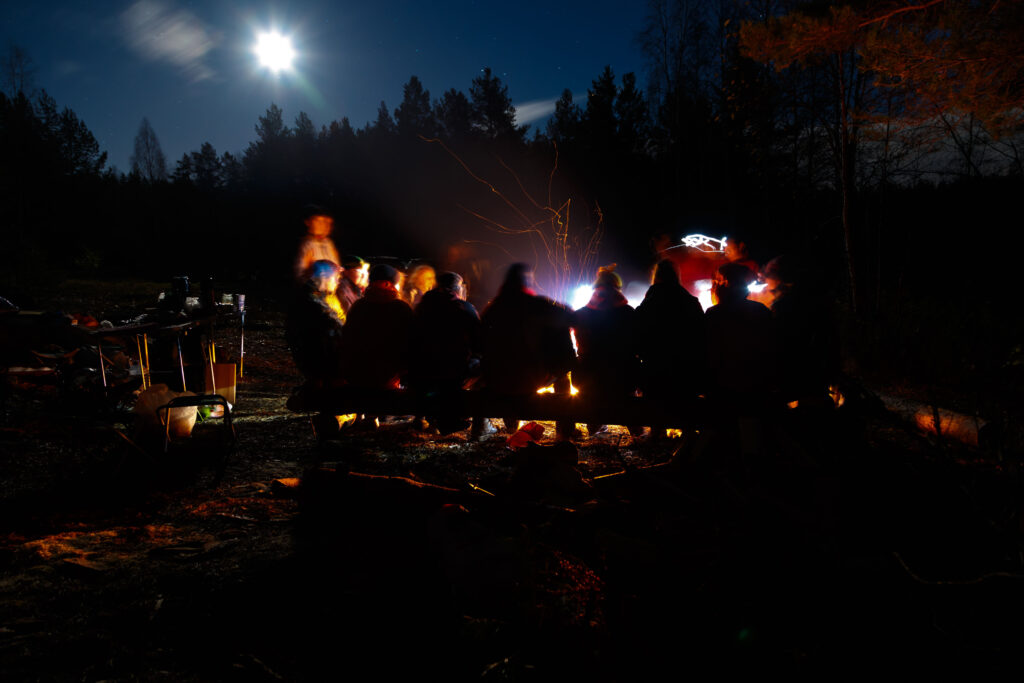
[703, 288]
[635, 293]
[581, 296]
[274, 51]
[757, 287]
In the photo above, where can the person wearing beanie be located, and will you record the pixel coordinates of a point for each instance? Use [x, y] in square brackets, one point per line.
[606, 343]
[376, 341]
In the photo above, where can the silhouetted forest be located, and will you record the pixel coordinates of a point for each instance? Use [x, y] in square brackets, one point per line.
[784, 128]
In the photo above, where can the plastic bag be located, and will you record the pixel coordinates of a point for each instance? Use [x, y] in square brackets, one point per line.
[529, 432]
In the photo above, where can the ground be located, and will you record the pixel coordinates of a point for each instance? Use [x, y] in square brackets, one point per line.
[853, 545]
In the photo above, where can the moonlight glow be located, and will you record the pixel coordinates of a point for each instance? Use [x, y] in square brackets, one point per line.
[274, 51]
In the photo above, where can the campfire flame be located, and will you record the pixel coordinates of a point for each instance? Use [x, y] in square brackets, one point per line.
[550, 389]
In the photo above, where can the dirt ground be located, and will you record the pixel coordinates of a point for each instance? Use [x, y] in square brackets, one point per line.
[847, 545]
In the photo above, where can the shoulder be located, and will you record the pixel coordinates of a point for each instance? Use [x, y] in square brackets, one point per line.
[756, 308]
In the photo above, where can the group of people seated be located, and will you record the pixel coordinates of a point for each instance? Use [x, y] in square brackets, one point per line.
[370, 327]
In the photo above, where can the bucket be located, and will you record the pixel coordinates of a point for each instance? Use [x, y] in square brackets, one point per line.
[147, 407]
[222, 382]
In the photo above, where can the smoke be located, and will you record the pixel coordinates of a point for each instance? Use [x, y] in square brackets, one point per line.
[536, 110]
[162, 33]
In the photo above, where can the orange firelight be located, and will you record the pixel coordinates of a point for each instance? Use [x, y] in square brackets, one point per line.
[550, 389]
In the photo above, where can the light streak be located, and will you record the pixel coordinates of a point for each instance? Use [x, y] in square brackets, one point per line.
[705, 243]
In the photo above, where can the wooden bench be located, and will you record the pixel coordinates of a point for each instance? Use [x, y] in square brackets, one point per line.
[624, 410]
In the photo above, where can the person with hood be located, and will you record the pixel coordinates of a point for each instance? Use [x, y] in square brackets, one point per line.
[446, 344]
[377, 333]
[314, 325]
[526, 340]
[670, 339]
[606, 343]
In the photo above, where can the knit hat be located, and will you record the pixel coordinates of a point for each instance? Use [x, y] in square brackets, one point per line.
[323, 268]
[382, 271]
[607, 277]
[353, 262]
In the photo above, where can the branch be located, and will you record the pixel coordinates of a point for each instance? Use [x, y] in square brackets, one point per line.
[884, 18]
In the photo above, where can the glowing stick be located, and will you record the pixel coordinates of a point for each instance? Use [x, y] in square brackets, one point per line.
[142, 372]
[145, 348]
[103, 372]
[705, 243]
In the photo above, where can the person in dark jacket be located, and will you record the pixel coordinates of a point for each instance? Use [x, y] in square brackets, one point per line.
[526, 340]
[446, 344]
[377, 333]
[353, 281]
[670, 339]
[808, 345]
[740, 345]
[606, 343]
[314, 328]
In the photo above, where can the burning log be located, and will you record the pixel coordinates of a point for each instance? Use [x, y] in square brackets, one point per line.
[968, 429]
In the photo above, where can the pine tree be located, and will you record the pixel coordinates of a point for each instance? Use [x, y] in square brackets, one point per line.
[454, 115]
[493, 115]
[599, 118]
[563, 127]
[631, 113]
[414, 116]
[304, 128]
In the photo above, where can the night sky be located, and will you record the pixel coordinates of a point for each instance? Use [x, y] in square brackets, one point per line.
[191, 70]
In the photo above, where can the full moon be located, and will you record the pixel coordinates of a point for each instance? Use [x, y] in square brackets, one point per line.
[274, 51]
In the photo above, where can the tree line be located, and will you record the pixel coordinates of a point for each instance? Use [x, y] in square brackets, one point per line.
[796, 125]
